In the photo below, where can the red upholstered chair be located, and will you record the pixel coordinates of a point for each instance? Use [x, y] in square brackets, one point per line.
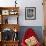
[29, 33]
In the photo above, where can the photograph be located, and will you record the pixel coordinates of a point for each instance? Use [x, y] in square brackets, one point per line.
[30, 13]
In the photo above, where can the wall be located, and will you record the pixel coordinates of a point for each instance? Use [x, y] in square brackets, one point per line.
[27, 3]
[39, 12]
[37, 30]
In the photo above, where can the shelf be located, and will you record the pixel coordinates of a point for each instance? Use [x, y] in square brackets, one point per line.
[11, 41]
[10, 26]
[7, 16]
[9, 19]
[9, 10]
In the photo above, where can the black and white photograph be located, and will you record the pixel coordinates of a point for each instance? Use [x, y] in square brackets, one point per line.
[30, 13]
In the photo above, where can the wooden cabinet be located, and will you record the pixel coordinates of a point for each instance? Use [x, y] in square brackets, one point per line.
[7, 26]
[45, 36]
[10, 43]
[44, 7]
[0, 43]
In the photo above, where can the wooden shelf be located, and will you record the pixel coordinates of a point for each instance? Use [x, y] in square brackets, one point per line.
[10, 26]
[9, 10]
[5, 8]
[9, 43]
[4, 13]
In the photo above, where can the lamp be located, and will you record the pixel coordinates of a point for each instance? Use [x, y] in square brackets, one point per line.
[15, 3]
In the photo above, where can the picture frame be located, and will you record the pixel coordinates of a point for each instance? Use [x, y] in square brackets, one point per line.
[30, 13]
[5, 12]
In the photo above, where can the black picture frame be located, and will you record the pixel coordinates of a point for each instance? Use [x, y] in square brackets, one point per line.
[30, 13]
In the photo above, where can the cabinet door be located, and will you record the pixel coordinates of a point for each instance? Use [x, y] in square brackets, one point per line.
[10, 44]
[0, 43]
[0, 36]
[0, 19]
[44, 4]
[44, 12]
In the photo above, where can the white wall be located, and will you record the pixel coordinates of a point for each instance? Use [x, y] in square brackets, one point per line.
[39, 12]
[27, 3]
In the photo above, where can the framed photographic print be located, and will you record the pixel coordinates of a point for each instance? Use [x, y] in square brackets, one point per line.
[30, 13]
[5, 12]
